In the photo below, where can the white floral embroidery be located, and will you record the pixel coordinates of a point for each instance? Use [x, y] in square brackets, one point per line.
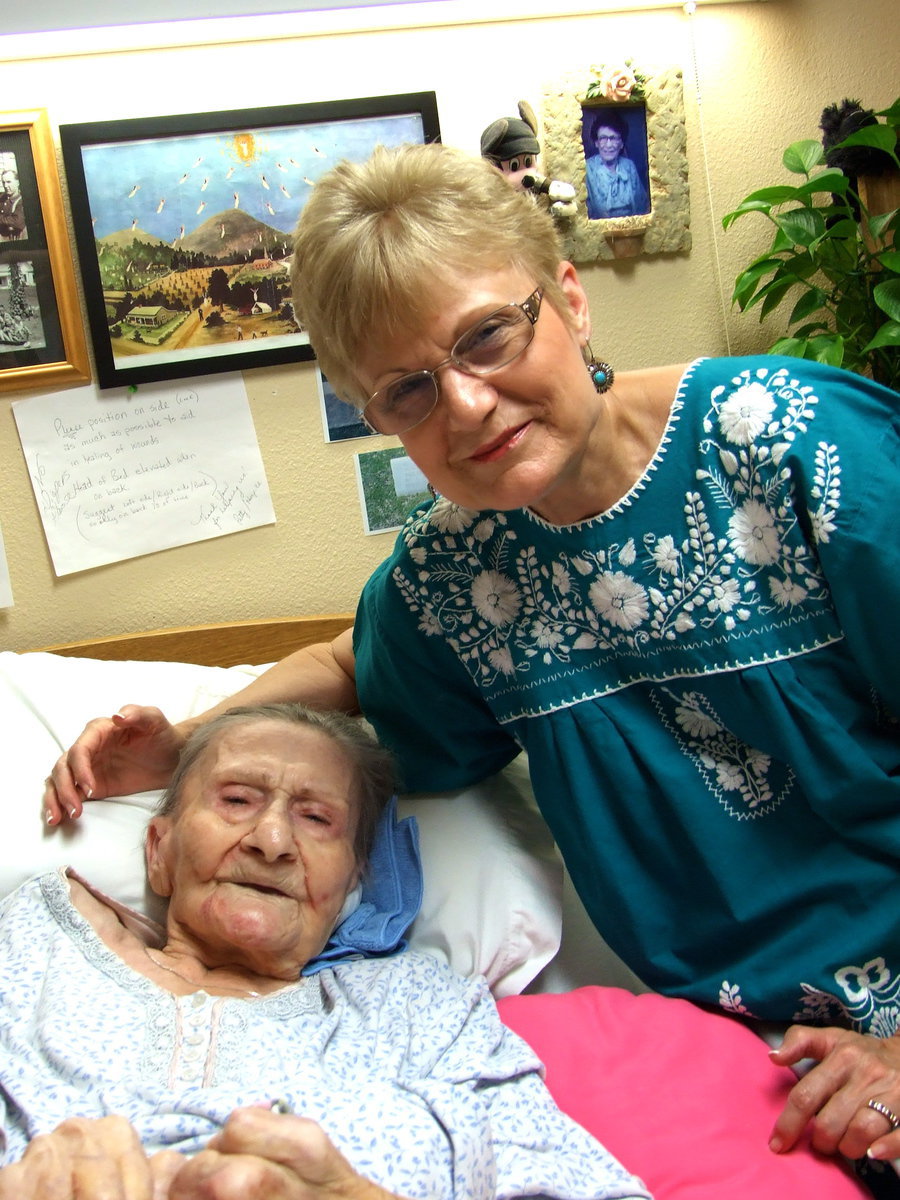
[753, 534]
[619, 600]
[730, 999]
[746, 413]
[495, 597]
[786, 592]
[450, 517]
[744, 779]
[827, 488]
[665, 557]
[871, 1000]
[734, 558]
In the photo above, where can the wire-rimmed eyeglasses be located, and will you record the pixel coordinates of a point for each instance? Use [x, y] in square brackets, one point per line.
[490, 344]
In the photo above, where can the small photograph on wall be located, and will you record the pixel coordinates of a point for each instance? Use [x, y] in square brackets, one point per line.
[19, 302]
[340, 421]
[616, 159]
[390, 487]
[13, 226]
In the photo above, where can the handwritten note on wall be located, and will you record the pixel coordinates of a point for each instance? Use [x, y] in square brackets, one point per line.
[116, 475]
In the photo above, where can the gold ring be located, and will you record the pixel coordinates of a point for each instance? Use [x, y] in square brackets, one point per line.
[887, 1113]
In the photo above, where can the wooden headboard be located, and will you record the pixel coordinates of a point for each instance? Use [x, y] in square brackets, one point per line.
[226, 645]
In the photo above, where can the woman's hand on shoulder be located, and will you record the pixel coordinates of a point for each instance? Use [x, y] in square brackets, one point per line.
[133, 751]
[851, 1069]
[263, 1153]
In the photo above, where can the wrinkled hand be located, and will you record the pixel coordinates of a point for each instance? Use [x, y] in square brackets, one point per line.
[86, 1159]
[261, 1154]
[132, 751]
[851, 1069]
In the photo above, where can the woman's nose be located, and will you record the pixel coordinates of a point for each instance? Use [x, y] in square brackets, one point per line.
[467, 400]
[271, 835]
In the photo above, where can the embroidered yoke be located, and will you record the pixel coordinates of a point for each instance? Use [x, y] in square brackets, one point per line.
[706, 679]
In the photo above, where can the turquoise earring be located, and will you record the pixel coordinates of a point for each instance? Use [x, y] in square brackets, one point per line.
[601, 373]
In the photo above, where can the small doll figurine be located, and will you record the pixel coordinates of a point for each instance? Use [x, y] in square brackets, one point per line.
[511, 144]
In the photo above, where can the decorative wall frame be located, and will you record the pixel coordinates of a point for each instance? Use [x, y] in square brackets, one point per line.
[42, 342]
[568, 113]
[184, 227]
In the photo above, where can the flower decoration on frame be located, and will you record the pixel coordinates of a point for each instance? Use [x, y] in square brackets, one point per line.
[618, 83]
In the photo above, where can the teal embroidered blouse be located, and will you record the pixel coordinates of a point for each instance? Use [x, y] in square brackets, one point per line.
[706, 679]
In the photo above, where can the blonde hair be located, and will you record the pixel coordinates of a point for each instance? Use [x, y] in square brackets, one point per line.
[376, 239]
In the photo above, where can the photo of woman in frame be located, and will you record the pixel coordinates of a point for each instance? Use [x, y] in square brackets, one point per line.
[616, 160]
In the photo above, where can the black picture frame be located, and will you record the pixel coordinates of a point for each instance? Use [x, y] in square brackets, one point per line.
[211, 271]
[42, 341]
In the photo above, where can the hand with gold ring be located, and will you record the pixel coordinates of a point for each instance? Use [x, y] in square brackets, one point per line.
[850, 1099]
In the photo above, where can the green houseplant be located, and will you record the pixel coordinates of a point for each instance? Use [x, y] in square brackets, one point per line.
[843, 259]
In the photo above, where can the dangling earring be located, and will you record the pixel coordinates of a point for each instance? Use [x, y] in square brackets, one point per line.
[432, 490]
[601, 373]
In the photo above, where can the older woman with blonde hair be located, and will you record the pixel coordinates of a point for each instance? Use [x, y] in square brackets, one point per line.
[676, 588]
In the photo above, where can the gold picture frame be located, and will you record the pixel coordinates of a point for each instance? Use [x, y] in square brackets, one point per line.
[566, 113]
[42, 338]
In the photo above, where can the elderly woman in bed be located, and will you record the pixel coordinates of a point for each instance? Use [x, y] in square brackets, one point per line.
[676, 588]
[274, 988]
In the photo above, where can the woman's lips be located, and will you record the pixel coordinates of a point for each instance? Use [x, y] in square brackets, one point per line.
[501, 445]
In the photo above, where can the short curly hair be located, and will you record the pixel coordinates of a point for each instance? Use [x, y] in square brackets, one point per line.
[376, 240]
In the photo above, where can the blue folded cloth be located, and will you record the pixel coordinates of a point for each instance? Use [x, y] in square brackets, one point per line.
[390, 897]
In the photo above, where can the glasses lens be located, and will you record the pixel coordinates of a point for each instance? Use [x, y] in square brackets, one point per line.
[495, 341]
[403, 403]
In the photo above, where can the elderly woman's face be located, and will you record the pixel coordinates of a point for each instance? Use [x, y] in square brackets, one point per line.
[520, 436]
[258, 857]
[609, 143]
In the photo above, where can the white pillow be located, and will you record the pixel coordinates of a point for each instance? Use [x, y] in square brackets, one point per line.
[493, 881]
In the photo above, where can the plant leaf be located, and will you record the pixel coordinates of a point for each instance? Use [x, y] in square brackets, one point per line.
[808, 303]
[744, 207]
[773, 294]
[806, 331]
[887, 297]
[890, 260]
[887, 335]
[801, 157]
[802, 225]
[826, 348]
[831, 180]
[746, 282]
[794, 346]
[892, 114]
[879, 223]
[880, 137]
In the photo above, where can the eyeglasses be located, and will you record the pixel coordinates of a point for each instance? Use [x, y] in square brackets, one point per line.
[613, 139]
[490, 344]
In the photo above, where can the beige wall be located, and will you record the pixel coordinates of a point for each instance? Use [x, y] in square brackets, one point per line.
[766, 70]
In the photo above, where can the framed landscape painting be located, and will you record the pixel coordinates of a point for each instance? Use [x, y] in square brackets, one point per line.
[184, 227]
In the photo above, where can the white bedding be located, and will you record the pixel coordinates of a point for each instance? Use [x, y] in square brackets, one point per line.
[493, 881]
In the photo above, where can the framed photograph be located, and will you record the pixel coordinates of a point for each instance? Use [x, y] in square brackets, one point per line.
[616, 163]
[184, 227]
[340, 421]
[42, 342]
[619, 138]
[390, 486]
